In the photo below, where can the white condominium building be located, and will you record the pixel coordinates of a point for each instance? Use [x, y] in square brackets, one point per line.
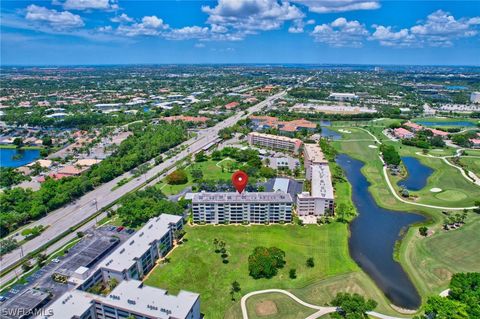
[312, 155]
[134, 258]
[219, 208]
[321, 199]
[275, 142]
[130, 299]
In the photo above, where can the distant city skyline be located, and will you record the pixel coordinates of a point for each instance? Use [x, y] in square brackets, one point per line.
[109, 32]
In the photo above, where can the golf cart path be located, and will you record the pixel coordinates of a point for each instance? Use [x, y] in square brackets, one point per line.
[392, 190]
[321, 310]
[469, 175]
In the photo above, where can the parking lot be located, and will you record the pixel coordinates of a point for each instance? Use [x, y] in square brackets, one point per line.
[39, 288]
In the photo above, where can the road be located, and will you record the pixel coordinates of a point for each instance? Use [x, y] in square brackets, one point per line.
[70, 215]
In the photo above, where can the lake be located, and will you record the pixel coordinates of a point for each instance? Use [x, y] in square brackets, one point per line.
[373, 235]
[446, 123]
[417, 174]
[326, 132]
[25, 157]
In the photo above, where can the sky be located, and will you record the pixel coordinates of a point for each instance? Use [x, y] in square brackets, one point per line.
[81, 32]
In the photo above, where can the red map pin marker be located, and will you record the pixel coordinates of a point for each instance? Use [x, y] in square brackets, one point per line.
[240, 180]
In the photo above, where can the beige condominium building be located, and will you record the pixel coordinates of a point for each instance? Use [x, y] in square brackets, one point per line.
[320, 200]
[275, 142]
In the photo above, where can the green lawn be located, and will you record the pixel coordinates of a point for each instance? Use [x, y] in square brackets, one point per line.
[471, 163]
[431, 261]
[212, 170]
[196, 267]
[429, 265]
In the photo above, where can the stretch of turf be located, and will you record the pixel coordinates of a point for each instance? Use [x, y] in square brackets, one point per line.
[195, 266]
[428, 261]
[212, 170]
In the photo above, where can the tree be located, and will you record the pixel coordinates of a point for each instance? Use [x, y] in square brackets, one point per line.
[178, 177]
[234, 289]
[352, 306]
[197, 174]
[292, 273]
[47, 141]
[26, 266]
[423, 231]
[200, 157]
[18, 142]
[80, 234]
[477, 208]
[264, 262]
[443, 308]
[41, 259]
[215, 243]
[310, 262]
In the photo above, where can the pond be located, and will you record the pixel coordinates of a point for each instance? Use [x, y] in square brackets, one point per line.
[417, 174]
[373, 235]
[446, 123]
[326, 132]
[12, 157]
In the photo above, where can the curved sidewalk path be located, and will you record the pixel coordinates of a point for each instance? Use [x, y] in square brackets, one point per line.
[321, 310]
[392, 189]
[470, 176]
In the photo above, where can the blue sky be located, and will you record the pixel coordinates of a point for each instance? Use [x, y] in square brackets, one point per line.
[61, 32]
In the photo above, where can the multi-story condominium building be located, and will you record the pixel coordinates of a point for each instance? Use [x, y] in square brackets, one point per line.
[275, 142]
[129, 262]
[129, 299]
[312, 155]
[320, 200]
[134, 258]
[219, 208]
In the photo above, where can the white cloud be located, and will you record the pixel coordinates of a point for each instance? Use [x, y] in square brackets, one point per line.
[150, 25]
[387, 37]
[199, 45]
[89, 4]
[439, 29]
[193, 32]
[252, 15]
[327, 6]
[54, 18]
[298, 25]
[123, 18]
[341, 33]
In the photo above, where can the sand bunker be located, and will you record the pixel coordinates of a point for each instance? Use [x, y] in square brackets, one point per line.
[373, 146]
[344, 131]
[435, 190]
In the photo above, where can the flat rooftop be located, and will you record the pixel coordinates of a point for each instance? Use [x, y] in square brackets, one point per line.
[71, 304]
[154, 302]
[245, 197]
[276, 137]
[314, 153]
[321, 182]
[129, 294]
[126, 254]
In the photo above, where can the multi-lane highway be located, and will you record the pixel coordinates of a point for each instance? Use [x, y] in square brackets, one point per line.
[72, 214]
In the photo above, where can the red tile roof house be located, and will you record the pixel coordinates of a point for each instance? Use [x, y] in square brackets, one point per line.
[438, 133]
[415, 127]
[231, 105]
[475, 142]
[402, 133]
